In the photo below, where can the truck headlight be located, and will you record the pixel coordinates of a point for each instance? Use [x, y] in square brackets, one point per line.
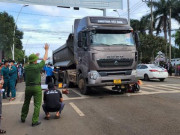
[134, 72]
[93, 75]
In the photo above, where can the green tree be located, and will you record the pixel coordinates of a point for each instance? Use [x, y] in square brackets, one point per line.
[141, 25]
[19, 55]
[161, 14]
[6, 35]
[175, 52]
[149, 47]
[177, 38]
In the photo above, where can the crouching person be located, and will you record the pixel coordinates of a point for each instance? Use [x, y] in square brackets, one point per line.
[53, 101]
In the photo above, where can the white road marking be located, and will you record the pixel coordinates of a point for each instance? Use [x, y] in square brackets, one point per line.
[161, 86]
[156, 89]
[77, 109]
[170, 87]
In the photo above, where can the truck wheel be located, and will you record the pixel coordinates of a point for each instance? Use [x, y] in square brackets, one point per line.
[82, 85]
[69, 84]
[146, 77]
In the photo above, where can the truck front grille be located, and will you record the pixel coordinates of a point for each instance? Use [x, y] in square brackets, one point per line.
[108, 73]
[114, 62]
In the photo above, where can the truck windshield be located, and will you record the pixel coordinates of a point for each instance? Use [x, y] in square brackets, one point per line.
[112, 39]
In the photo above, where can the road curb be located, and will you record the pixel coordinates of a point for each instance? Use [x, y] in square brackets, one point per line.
[174, 77]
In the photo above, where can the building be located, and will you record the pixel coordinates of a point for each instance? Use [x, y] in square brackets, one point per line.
[175, 61]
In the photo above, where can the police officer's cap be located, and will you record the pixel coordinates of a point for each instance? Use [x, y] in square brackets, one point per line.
[33, 58]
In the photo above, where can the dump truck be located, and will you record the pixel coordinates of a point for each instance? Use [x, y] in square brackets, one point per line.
[102, 51]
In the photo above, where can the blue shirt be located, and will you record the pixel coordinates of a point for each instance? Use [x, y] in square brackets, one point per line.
[49, 71]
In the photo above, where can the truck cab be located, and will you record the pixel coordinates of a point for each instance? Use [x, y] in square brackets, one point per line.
[102, 51]
[105, 52]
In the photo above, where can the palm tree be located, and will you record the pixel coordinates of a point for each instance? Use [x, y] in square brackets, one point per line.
[161, 14]
[140, 26]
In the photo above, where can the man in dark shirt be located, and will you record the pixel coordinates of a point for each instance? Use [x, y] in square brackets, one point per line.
[53, 101]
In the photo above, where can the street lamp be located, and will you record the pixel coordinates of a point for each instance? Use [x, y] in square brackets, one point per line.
[12, 49]
[116, 12]
[25, 48]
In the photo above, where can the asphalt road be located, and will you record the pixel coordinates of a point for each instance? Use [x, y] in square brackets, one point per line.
[155, 110]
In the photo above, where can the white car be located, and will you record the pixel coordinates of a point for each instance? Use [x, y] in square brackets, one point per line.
[151, 71]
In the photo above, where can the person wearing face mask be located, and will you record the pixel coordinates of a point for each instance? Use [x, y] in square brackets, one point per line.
[5, 76]
[12, 80]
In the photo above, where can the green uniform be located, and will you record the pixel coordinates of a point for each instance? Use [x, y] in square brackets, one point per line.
[33, 88]
[12, 80]
[5, 74]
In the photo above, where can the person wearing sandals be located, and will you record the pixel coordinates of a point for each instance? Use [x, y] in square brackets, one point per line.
[12, 80]
[1, 87]
[33, 86]
[53, 102]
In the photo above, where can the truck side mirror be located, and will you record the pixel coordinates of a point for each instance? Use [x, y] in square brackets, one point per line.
[137, 40]
[80, 39]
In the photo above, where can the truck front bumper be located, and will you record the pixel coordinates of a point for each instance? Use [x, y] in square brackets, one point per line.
[109, 80]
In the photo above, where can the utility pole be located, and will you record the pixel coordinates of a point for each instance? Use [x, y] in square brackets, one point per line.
[14, 32]
[151, 19]
[170, 34]
[128, 12]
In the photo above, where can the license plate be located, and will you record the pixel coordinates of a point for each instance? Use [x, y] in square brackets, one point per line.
[117, 81]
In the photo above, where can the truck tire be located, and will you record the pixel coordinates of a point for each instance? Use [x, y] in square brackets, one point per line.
[67, 82]
[82, 85]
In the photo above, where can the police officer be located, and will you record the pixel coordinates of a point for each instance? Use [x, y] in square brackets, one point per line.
[33, 86]
[5, 75]
[12, 80]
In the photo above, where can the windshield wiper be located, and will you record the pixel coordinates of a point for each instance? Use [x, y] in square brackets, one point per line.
[122, 44]
[103, 44]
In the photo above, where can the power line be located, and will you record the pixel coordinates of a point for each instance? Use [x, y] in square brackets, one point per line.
[140, 5]
[43, 31]
[134, 7]
[37, 14]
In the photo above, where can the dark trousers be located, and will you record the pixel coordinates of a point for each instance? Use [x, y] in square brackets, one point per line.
[48, 79]
[47, 109]
[6, 87]
[54, 79]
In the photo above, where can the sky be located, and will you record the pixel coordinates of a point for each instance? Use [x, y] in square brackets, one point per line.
[52, 25]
